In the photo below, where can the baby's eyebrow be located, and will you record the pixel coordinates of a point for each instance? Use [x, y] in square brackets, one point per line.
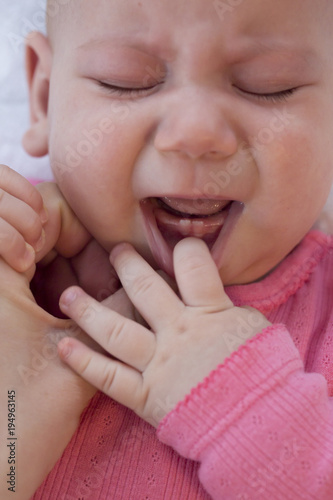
[114, 38]
[256, 47]
[247, 49]
[136, 40]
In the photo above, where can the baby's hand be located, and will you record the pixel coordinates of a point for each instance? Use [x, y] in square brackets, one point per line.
[22, 216]
[153, 369]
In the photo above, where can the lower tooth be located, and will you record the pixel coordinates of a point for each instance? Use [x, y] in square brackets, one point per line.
[194, 228]
[185, 227]
[198, 228]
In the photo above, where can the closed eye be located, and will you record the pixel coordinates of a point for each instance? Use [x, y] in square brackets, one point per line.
[134, 92]
[274, 97]
[127, 91]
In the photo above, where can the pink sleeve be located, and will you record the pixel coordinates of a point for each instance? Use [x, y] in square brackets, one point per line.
[259, 425]
[34, 181]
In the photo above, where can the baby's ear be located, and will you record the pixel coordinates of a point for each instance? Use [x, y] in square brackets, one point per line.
[38, 71]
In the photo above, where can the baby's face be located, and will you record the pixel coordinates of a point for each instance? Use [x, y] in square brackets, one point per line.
[212, 119]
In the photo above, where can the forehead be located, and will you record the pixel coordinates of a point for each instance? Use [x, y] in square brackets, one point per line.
[177, 22]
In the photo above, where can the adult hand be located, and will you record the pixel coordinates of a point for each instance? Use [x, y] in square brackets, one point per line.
[48, 397]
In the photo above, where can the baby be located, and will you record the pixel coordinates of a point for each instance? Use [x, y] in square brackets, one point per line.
[192, 142]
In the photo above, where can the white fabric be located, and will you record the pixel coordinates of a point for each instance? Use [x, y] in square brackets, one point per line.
[17, 19]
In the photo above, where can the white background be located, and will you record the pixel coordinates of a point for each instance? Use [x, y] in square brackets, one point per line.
[17, 19]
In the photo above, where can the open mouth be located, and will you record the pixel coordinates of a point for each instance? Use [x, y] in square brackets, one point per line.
[169, 220]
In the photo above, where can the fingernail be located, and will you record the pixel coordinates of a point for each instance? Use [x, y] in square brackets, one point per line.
[68, 297]
[64, 348]
[40, 243]
[44, 215]
[119, 249]
[29, 256]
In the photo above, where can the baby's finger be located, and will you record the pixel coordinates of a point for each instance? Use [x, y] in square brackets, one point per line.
[119, 336]
[148, 291]
[118, 381]
[15, 184]
[197, 276]
[13, 249]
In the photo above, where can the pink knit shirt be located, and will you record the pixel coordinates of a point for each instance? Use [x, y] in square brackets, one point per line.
[259, 427]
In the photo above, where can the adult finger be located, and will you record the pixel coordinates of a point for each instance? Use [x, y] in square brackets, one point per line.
[13, 283]
[13, 249]
[18, 186]
[23, 218]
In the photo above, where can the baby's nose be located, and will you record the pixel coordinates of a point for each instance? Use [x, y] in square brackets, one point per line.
[196, 124]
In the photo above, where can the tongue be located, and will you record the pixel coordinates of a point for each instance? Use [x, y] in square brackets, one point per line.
[195, 207]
